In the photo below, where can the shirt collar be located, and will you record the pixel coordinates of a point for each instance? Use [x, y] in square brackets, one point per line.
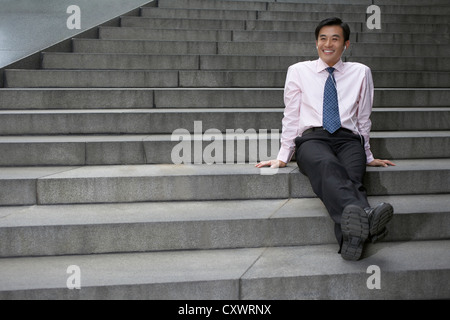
[321, 65]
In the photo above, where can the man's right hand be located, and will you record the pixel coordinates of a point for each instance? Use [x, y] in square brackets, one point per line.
[271, 163]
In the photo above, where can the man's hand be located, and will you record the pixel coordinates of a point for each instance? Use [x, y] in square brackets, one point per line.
[271, 163]
[380, 163]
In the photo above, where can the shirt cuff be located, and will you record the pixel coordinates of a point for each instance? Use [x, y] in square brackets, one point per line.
[285, 154]
[369, 156]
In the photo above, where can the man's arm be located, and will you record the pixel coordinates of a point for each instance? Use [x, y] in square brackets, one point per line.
[292, 99]
[364, 123]
[364, 112]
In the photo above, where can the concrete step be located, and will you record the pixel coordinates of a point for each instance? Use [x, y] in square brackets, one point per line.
[397, 50]
[392, 8]
[272, 4]
[96, 61]
[247, 145]
[141, 183]
[222, 5]
[114, 33]
[363, 37]
[66, 98]
[355, 27]
[407, 270]
[405, 27]
[303, 7]
[281, 63]
[359, 17]
[309, 49]
[167, 120]
[399, 263]
[194, 62]
[417, 18]
[356, 19]
[404, 2]
[143, 47]
[277, 79]
[217, 14]
[19, 78]
[252, 49]
[403, 63]
[398, 37]
[398, 3]
[182, 24]
[425, 119]
[144, 98]
[172, 22]
[157, 226]
[142, 33]
[236, 24]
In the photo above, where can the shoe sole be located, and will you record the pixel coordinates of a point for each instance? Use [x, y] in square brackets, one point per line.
[355, 231]
[380, 236]
[381, 218]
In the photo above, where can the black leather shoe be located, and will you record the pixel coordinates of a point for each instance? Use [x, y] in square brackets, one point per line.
[378, 219]
[355, 231]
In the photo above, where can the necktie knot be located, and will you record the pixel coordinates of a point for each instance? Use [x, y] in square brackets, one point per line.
[330, 70]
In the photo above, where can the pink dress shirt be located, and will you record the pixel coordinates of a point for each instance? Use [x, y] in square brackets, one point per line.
[303, 99]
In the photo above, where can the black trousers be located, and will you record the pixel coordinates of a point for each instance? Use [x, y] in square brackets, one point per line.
[335, 165]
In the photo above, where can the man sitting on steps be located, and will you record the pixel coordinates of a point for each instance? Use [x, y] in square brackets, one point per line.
[326, 123]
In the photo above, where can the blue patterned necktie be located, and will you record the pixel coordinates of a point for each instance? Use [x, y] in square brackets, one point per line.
[331, 119]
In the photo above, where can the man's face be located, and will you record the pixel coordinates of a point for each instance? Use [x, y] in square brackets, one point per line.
[330, 44]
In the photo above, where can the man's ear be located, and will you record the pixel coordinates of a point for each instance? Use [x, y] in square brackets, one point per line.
[347, 44]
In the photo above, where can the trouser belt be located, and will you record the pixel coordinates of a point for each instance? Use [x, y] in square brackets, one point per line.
[314, 129]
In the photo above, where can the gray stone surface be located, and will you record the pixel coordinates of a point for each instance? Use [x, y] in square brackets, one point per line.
[235, 274]
[219, 182]
[90, 79]
[201, 4]
[198, 275]
[111, 62]
[18, 185]
[136, 121]
[85, 179]
[143, 47]
[182, 13]
[227, 62]
[320, 273]
[157, 226]
[79, 98]
[214, 79]
[160, 183]
[29, 26]
[136, 33]
[235, 146]
[213, 97]
[116, 98]
[191, 24]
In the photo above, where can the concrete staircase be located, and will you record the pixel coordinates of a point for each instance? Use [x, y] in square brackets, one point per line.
[87, 174]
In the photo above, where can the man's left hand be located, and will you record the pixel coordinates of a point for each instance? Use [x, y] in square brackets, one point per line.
[380, 163]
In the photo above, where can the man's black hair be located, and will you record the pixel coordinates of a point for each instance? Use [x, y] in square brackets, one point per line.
[334, 22]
